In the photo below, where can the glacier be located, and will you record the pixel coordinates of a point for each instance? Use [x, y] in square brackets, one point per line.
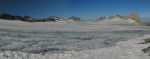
[111, 39]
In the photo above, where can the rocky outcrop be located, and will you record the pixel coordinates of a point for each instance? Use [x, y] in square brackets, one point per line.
[146, 50]
[52, 18]
[17, 17]
[28, 18]
[132, 18]
[114, 17]
[12, 17]
[6, 16]
[73, 18]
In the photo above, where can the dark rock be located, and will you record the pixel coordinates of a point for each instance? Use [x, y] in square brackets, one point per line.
[6, 16]
[31, 19]
[18, 18]
[27, 18]
[146, 50]
[147, 40]
[21, 18]
[73, 18]
[112, 17]
[51, 18]
[101, 18]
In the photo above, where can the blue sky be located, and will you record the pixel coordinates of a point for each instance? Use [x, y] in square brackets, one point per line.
[79, 8]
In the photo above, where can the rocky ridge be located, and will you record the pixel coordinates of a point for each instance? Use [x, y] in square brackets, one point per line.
[31, 19]
[132, 18]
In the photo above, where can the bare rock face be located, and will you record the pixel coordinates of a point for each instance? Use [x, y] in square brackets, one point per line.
[28, 18]
[6, 16]
[51, 18]
[114, 17]
[135, 17]
[17, 17]
[147, 40]
[12, 17]
[73, 18]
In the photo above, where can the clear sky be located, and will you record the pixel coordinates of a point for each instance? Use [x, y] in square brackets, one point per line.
[79, 8]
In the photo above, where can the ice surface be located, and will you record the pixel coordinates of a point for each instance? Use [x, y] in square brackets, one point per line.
[61, 37]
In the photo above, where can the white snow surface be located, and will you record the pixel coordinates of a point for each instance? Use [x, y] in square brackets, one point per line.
[112, 39]
[123, 50]
[68, 26]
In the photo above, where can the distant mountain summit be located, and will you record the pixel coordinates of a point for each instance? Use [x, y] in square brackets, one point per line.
[132, 18]
[73, 18]
[31, 19]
